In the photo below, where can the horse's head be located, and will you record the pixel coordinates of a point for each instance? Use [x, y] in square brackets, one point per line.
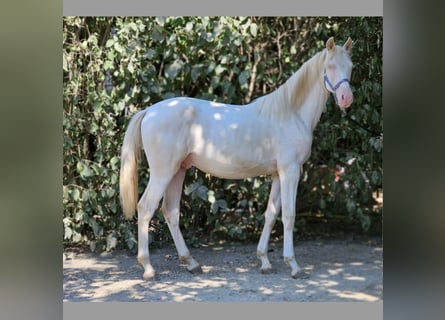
[337, 72]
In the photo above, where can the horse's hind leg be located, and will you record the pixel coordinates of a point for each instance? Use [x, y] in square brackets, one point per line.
[170, 209]
[273, 207]
[146, 209]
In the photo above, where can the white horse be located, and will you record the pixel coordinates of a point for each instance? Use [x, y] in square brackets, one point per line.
[270, 136]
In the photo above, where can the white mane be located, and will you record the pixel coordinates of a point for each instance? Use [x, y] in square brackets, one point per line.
[292, 94]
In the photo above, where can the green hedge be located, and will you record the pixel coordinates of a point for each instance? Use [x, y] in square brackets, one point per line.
[113, 67]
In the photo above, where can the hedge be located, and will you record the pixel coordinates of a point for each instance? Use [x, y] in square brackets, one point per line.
[115, 66]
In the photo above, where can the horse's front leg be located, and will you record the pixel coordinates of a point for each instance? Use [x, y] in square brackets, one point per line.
[273, 207]
[289, 176]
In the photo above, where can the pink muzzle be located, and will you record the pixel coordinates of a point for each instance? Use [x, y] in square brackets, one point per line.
[341, 91]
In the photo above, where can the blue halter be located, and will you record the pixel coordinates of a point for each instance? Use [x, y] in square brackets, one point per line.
[334, 88]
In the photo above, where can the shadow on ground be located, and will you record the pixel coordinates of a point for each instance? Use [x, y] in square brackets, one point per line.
[338, 271]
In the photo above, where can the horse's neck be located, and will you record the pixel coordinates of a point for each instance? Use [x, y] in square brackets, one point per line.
[310, 110]
[303, 96]
[307, 92]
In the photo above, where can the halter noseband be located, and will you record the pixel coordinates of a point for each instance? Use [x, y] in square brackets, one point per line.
[334, 88]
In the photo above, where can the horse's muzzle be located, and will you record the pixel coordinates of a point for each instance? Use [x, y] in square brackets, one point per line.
[344, 96]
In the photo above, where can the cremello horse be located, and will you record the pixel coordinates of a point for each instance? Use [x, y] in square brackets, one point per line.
[270, 136]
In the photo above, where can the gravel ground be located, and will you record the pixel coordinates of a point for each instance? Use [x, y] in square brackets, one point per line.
[338, 271]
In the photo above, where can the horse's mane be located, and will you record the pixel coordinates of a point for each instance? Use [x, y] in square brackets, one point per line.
[293, 93]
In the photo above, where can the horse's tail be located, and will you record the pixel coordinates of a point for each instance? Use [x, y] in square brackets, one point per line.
[130, 155]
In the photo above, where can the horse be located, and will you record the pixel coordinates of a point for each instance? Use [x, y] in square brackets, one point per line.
[272, 135]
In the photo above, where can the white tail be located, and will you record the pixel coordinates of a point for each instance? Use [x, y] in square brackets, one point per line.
[130, 155]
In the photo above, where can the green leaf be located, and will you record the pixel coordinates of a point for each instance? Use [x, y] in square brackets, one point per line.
[93, 246]
[192, 187]
[202, 193]
[68, 233]
[160, 21]
[118, 47]
[243, 77]
[219, 69]
[173, 69]
[130, 67]
[150, 54]
[111, 241]
[110, 193]
[131, 241]
[109, 43]
[115, 163]
[253, 29]
[189, 26]
[196, 71]
[211, 196]
[97, 229]
[133, 26]
[108, 65]
[77, 237]
[157, 36]
[86, 172]
[65, 64]
[76, 194]
[114, 178]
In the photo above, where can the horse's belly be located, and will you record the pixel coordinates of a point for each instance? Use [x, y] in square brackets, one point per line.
[230, 168]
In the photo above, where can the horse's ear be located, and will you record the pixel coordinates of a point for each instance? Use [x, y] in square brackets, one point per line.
[330, 43]
[348, 44]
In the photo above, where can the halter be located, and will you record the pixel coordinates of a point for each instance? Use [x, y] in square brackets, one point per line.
[334, 88]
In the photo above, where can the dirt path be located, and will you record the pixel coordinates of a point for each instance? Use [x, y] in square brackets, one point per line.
[338, 271]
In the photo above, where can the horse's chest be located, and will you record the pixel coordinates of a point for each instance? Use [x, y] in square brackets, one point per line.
[303, 150]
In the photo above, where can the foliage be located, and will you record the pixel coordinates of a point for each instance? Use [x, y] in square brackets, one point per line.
[113, 67]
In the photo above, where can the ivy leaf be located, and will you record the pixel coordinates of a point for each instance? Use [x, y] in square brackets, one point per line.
[192, 187]
[109, 43]
[219, 69]
[76, 194]
[68, 233]
[189, 26]
[86, 172]
[130, 67]
[173, 69]
[202, 193]
[150, 54]
[108, 65]
[111, 241]
[65, 64]
[253, 29]
[196, 71]
[118, 47]
[114, 162]
[97, 229]
[243, 77]
[211, 196]
[157, 36]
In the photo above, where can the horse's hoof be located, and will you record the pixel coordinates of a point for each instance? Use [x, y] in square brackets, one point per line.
[301, 275]
[195, 270]
[267, 270]
[149, 275]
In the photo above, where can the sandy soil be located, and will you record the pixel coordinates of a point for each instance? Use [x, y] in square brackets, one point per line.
[338, 271]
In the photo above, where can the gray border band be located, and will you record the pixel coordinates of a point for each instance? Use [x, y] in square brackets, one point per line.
[125, 310]
[222, 7]
[230, 310]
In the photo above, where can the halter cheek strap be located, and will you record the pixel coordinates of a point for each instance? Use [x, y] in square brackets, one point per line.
[332, 87]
